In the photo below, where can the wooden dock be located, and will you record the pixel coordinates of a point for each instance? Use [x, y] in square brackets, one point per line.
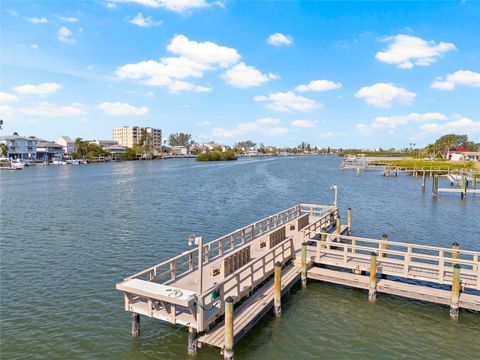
[243, 274]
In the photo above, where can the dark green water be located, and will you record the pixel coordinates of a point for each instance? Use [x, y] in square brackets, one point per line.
[68, 234]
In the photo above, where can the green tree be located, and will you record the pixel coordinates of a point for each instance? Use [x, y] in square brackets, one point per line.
[247, 144]
[446, 142]
[180, 139]
[3, 149]
[86, 150]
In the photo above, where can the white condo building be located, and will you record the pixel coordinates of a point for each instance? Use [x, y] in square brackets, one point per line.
[134, 135]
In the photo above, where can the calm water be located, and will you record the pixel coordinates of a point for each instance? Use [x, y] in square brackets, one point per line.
[68, 234]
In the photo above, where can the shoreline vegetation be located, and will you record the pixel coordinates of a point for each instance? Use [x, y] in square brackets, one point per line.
[217, 156]
[427, 164]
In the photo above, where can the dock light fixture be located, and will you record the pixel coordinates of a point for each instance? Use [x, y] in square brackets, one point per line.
[198, 240]
[335, 188]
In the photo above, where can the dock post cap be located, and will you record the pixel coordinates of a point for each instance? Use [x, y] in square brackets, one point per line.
[455, 244]
[456, 266]
[324, 229]
[278, 263]
[304, 243]
[384, 236]
[229, 299]
[374, 253]
[349, 208]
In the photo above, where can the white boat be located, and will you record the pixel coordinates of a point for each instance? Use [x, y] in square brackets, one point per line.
[16, 164]
[73, 162]
[59, 162]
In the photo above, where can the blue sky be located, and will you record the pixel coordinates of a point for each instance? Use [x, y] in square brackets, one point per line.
[339, 74]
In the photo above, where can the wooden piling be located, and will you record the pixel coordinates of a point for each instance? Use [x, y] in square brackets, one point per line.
[349, 221]
[463, 194]
[435, 185]
[372, 289]
[323, 237]
[424, 179]
[358, 171]
[455, 292]
[277, 291]
[192, 340]
[135, 324]
[455, 248]
[228, 344]
[339, 226]
[384, 245]
[304, 264]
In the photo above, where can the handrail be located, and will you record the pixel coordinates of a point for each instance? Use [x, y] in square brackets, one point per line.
[399, 253]
[403, 244]
[246, 266]
[247, 234]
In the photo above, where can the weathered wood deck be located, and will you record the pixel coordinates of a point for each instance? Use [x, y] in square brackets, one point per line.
[252, 310]
[240, 265]
[233, 265]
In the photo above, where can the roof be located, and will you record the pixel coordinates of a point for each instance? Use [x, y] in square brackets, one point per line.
[459, 149]
[115, 147]
[18, 137]
[66, 138]
[48, 144]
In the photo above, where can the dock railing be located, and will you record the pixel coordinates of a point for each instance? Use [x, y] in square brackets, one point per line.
[421, 262]
[181, 265]
[241, 282]
[311, 230]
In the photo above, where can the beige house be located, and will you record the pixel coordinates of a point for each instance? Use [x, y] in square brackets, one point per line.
[68, 144]
[129, 136]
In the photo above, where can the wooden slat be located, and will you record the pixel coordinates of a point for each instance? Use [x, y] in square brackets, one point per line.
[247, 314]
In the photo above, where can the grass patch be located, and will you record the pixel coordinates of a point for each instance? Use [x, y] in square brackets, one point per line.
[435, 164]
[217, 156]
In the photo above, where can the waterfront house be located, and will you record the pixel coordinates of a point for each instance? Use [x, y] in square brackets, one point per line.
[105, 143]
[115, 149]
[68, 144]
[462, 154]
[178, 150]
[47, 151]
[20, 147]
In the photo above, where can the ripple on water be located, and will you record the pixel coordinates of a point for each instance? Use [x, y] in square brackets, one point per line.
[86, 227]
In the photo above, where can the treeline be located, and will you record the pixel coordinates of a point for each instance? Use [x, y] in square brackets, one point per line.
[217, 156]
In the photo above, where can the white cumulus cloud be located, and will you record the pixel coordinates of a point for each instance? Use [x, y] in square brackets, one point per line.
[461, 125]
[385, 94]
[319, 85]
[39, 89]
[244, 76]
[65, 35]
[143, 21]
[7, 98]
[7, 112]
[192, 60]
[179, 6]
[45, 109]
[302, 123]
[460, 77]
[68, 19]
[286, 101]
[121, 109]
[279, 39]
[406, 51]
[37, 20]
